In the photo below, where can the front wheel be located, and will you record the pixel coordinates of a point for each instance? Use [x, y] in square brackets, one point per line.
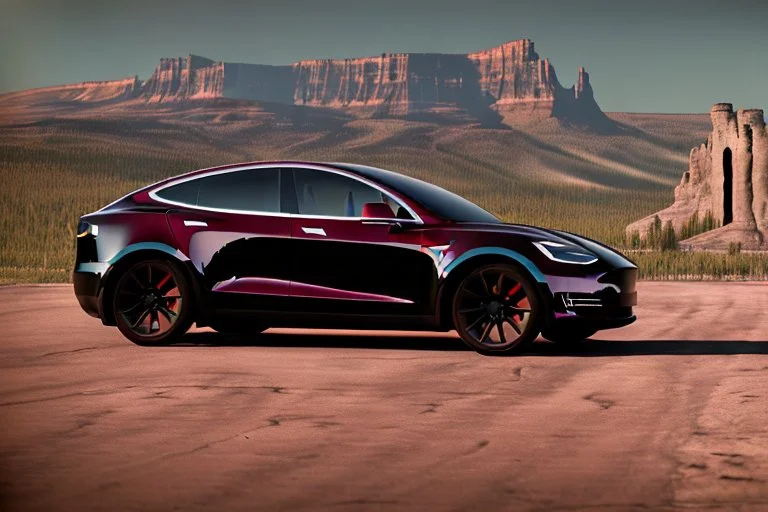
[496, 309]
[152, 303]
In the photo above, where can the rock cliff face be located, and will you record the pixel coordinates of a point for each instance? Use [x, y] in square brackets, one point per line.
[180, 78]
[513, 74]
[507, 78]
[727, 176]
[496, 82]
[376, 83]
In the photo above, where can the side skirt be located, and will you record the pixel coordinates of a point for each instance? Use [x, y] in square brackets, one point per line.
[336, 321]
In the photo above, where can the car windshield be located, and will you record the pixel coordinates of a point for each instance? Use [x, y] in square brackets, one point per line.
[446, 205]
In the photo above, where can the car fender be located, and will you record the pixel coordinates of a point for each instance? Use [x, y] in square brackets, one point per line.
[135, 248]
[516, 257]
[148, 246]
[496, 251]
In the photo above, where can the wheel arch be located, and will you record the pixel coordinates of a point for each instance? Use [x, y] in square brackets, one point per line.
[471, 260]
[143, 252]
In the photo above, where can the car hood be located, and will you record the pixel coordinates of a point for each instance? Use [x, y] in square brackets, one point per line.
[536, 234]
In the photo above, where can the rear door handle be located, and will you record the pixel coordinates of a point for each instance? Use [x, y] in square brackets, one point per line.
[198, 223]
[314, 231]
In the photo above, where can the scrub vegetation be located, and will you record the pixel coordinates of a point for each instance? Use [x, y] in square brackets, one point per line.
[55, 167]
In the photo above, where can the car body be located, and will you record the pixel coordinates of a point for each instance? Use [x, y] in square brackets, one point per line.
[331, 245]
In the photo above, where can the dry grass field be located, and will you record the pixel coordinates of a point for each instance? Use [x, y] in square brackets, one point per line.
[60, 159]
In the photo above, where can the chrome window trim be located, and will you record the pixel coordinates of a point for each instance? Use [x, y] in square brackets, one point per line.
[153, 193]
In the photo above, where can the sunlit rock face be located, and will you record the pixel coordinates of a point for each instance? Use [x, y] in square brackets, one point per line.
[181, 78]
[727, 176]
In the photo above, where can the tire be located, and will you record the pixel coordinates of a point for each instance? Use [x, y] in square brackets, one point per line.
[153, 302]
[497, 299]
[568, 335]
[238, 326]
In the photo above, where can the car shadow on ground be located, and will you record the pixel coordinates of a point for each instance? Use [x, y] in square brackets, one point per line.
[449, 342]
[321, 339]
[603, 348]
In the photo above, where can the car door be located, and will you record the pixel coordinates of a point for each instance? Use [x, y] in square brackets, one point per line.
[231, 226]
[344, 263]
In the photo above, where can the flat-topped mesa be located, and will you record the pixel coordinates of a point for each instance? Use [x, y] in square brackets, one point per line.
[195, 78]
[728, 177]
[509, 80]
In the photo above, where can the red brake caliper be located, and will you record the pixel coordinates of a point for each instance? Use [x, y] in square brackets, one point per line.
[513, 291]
[165, 280]
[171, 302]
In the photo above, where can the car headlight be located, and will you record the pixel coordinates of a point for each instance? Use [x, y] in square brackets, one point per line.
[565, 253]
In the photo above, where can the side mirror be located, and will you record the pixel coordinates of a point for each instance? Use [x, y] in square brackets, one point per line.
[378, 211]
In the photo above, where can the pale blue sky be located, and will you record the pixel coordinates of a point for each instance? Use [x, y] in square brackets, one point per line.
[643, 56]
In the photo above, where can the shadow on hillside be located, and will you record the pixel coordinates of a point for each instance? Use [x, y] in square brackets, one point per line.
[449, 342]
[303, 118]
[633, 131]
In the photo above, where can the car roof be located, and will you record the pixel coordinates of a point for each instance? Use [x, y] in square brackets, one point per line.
[142, 195]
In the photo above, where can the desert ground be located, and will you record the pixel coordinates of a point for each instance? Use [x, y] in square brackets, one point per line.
[668, 413]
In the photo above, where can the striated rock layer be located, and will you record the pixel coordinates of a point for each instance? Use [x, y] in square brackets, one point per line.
[510, 78]
[180, 78]
[728, 176]
[94, 91]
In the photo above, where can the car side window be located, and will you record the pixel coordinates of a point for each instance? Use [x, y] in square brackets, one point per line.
[185, 192]
[253, 190]
[334, 195]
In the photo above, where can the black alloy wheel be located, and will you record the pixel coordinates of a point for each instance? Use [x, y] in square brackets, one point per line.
[496, 309]
[152, 303]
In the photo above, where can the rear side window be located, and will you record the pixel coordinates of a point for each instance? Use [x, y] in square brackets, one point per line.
[256, 190]
[333, 195]
[182, 193]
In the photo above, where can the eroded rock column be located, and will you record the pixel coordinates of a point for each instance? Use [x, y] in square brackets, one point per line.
[742, 174]
[724, 137]
[756, 121]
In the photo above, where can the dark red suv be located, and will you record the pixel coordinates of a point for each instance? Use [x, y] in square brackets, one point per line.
[245, 247]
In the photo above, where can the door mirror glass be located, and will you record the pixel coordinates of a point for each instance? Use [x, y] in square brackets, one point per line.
[377, 211]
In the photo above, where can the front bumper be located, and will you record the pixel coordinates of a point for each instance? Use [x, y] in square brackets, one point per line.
[604, 304]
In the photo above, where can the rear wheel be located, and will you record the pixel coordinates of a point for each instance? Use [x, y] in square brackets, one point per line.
[496, 309]
[152, 303]
[568, 335]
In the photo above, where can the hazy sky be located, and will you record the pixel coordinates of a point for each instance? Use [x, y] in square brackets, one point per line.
[642, 56]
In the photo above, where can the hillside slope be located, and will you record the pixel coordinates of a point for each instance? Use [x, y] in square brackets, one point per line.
[60, 160]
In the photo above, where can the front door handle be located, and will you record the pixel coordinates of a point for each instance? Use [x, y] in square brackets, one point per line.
[314, 231]
[198, 223]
